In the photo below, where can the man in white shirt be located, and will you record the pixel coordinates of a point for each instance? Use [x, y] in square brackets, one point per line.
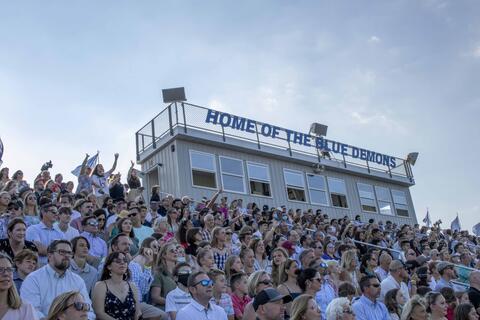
[395, 280]
[41, 287]
[201, 289]
[43, 234]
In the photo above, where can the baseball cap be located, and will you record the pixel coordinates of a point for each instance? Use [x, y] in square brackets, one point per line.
[269, 295]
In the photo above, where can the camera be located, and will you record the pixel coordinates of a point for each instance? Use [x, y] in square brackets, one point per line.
[46, 166]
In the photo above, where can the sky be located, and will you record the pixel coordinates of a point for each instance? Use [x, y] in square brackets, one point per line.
[391, 76]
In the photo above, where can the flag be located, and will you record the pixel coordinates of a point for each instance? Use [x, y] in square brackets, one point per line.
[90, 163]
[1, 151]
[476, 229]
[455, 225]
[427, 220]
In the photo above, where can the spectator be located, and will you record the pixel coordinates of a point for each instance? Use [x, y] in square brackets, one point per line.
[466, 311]
[451, 301]
[261, 261]
[13, 308]
[99, 179]
[180, 296]
[172, 217]
[148, 252]
[164, 282]
[124, 226]
[41, 287]
[269, 304]
[349, 272]
[16, 242]
[79, 264]
[101, 218]
[289, 284]
[233, 265]
[279, 257]
[257, 281]
[200, 287]
[25, 262]
[205, 260]
[414, 309]
[141, 232]
[367, 307]
[394, 301]
[309, 281]
[436, 306]
[209, 224]
[396, 279]
[305, 308]
[85, 208]
[220, 252]
[4, 177]
[63, 225]
[98, 246]
[114, 287]
[447, 273]
[339, 309]
[239, 295]
[30, 208]
[69, 305]
[220, 297]
[474, 290]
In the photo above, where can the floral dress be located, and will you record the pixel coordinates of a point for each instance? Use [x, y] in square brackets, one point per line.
[117, 309]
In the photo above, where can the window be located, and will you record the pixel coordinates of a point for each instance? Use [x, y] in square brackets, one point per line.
[232, 174]
[367, 197]
[295, 185]
[259, 179]
[317, 188]
[400, 201]
[338, 192]
[203, 169]
[384, 200]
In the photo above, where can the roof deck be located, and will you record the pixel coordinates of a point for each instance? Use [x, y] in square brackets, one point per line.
[181, 120]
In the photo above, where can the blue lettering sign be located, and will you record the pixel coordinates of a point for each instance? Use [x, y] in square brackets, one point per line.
[225, 120]
[355, 152]
[212, 116]
[344, 149]
[238, 123]
[250, 126]
[266, 130]
[275, 131]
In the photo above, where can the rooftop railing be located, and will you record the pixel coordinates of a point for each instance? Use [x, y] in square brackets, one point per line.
[185, 116]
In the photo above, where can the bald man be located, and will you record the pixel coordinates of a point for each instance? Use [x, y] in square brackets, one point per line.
[474, 291]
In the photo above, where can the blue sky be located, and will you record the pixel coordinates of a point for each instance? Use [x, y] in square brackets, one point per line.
[391, 76]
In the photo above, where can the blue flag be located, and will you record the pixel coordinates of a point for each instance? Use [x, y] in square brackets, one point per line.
[90, 163]
[427, 220]
[455, 225]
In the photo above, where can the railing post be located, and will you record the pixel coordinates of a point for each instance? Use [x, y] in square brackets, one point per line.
[154, 143]
[136, 146]
[223, 134]
[170, 119]
[290, 148]
[176, 113]
[184, 118]
[258, 138]
[344, 161]
[368, 166]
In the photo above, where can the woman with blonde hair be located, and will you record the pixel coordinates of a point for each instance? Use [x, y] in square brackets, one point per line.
[349, 272]
[289, 284]
[11, 306]
[163, 281]
[414, 309]
[257, 281]
[233, 265]
[305, 308]
[69, 305]
[220, 252]
[339, 309]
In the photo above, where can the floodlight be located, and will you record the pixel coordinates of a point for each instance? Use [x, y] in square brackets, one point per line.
[174, 95]
[412, 158]
[318, 129]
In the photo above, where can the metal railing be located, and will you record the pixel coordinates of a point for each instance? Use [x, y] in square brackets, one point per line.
[186, 116]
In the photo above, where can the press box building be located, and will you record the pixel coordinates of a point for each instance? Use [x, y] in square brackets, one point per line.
[192, 150]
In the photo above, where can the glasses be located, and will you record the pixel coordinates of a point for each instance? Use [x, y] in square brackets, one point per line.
[7, 270]
[204, 283]
[93, 223]
[120, 261]
[375, 285]
[100, 219]
[79, 306]
[319, 280]
[132, 215]
[266, 282]
[55, 212]
[65, 253]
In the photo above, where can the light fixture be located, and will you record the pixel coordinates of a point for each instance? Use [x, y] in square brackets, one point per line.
[174, 95]
[319, 130]
[412, 158]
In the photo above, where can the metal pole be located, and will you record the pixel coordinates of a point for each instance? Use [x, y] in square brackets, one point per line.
[184, 118]
[136, 146]
[154, 143]
[258, 138]
[170, 118]
[375, 246]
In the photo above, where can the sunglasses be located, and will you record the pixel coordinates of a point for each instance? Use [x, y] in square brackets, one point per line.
[132, 215]
[266, 282]
[120, 261]
[375, 285]
[79, 306]
[101, 219]
[93, 223]
[204, 283]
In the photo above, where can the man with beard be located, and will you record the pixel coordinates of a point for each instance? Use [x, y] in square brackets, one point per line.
[41, 287]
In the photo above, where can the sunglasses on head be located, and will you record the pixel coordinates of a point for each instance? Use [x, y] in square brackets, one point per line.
[204, 283]
[79, 306]
[134, 214]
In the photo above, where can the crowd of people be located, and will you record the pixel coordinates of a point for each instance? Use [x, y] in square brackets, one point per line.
[98, 248]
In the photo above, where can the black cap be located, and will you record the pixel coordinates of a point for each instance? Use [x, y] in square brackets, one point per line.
[269, 295]
[265, 207]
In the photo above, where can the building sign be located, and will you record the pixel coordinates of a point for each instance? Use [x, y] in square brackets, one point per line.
[270, 131]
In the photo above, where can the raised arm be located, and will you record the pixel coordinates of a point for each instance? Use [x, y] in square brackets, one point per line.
[114, 164]
[84, 165]
[129, 174]
[214, 198]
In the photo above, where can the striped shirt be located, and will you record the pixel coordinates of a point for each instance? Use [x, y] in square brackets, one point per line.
[365, 309]
[176, 300]
[225, 302]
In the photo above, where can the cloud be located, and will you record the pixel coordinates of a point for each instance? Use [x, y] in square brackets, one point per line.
[476, 52]
[374, 39]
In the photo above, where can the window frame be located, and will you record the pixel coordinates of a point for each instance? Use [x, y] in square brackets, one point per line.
[232, 174]
[336, 193]
[374, 198]
[302, 174]
[392, 208]
[316, 189]
[401, 204]
[269, 181]
[215, 172]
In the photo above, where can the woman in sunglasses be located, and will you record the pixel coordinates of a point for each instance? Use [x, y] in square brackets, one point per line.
[114, 296]
[11, 306]
[305, 308]
[69, 305]
[257, 281]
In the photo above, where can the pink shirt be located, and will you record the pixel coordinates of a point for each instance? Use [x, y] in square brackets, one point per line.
[25, 311]
[239, 304]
